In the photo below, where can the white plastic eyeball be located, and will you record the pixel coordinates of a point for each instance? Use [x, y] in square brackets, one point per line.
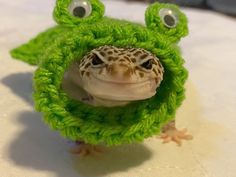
[168, 17]
[80, 8]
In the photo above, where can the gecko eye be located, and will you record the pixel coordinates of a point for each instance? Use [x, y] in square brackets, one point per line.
[168, 17]
[96, 60]
[147, 64]
[80, 8]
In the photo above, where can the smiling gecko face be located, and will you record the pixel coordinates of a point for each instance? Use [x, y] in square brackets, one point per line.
[115, 76]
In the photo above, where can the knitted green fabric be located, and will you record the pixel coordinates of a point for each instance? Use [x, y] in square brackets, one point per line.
[55, 49]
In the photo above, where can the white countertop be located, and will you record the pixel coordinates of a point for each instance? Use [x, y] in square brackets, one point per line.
[29, 149]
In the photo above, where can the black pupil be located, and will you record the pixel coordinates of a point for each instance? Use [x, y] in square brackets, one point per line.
[169, 20]
[96, 60]
[79, 11]
[147, 64]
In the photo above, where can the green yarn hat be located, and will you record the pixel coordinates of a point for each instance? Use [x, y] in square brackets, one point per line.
[55, 50]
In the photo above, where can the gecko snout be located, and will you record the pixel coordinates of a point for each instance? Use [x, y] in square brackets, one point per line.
[120, 70]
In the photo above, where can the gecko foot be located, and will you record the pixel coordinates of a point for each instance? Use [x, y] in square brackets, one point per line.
[84, 149]
[175, 135]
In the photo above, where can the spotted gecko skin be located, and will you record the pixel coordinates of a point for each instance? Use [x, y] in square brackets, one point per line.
[123, 68]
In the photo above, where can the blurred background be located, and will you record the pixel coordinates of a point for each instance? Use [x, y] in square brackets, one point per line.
[224, 6]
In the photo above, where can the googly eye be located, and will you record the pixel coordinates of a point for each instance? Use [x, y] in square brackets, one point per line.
[168, 17]
[80, 8]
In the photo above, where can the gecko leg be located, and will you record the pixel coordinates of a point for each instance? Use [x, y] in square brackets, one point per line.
[171, 133]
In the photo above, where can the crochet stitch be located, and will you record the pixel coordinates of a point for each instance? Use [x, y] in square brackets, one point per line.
[54, 50]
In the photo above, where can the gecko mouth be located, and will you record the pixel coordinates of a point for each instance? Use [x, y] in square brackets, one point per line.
[99, 92]
[112, 90]
[118, 82]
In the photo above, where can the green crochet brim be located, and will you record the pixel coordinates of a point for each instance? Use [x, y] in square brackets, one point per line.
[111, 126]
